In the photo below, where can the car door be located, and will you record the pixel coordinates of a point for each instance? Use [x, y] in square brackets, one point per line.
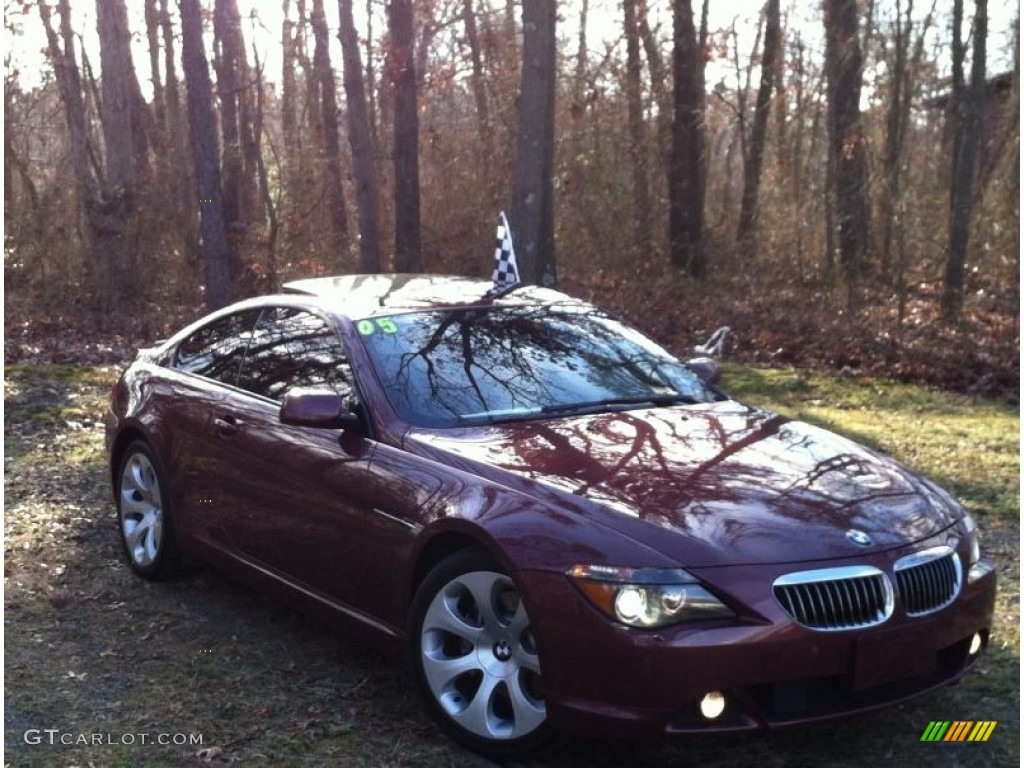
[204, 370]
[301, 492]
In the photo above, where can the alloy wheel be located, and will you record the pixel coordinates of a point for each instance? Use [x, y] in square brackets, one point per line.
[479, 657]
[141, 510]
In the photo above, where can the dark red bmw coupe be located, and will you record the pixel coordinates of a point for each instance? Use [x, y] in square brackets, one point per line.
[566, 527]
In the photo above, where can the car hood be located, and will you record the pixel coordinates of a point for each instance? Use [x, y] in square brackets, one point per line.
[733, 484]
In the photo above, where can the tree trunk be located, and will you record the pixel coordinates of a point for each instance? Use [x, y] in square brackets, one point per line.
[227, 89]
[118, 126]
[124, 143]
[477, 83]
[533, 219]
[428, 30]
[637, 138]
[261, 170]
[203, 133]
[289, 125]
[686, 188]
[746, 233]
[844, 63]
[312, 81]
[338, 210]
[69, 82]
[153, 39]
[895, 129]
[781, 100]
[897, 123]
[967, 104]
[371, 77]
[172, 100]
[361, 143]
[178, 159]
[288, 64]
[580, 79]
[656, 66]
[402, 73]
[140, 120]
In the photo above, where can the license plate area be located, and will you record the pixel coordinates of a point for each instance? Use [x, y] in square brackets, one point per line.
[885, 657]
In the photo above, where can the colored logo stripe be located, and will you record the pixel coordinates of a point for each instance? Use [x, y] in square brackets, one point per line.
[958, 730]
[935, 731]
[982, 730]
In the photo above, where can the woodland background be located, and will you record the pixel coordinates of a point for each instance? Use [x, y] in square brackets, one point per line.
[839, 182]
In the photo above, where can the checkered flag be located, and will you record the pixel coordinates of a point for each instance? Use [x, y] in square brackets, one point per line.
[506, 273]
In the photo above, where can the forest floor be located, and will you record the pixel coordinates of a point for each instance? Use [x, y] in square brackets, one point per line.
[91, 649]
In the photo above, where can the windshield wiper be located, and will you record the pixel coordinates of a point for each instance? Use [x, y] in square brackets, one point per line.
[658, 401]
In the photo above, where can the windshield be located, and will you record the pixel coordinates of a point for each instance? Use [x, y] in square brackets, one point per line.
[461, 367]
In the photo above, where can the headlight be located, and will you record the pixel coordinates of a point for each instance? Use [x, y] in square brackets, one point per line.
[973, 539]
[647, 597]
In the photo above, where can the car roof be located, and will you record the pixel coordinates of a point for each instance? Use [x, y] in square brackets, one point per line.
[368, 295]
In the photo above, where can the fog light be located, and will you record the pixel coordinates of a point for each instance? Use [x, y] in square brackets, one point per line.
[712, 705]
[975, 644]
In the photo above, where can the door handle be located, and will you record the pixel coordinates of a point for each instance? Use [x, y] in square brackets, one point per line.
[226, 425]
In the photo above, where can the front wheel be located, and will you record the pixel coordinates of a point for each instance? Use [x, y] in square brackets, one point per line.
[475, 657]
[144, 516]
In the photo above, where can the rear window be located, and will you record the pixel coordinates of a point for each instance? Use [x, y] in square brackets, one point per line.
[217, 349]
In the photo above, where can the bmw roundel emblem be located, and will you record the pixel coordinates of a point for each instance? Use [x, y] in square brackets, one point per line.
[859, 537]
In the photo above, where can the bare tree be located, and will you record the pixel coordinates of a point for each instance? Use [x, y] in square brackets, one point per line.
[172, 100]
[661, 96]
[532, 223]
[153, 40]
[895, 126]
[746, 233]
[371, 75]
[206, 155]
[338, 210]
[967, 104]
[361, 143]
[901, 75]
[133, 113]
[686, 188]
[228, 87]
[289, 119]
[848, 154]
[106, 194]
[579, 82]
[637, 138]
[176, 151]
[122, 125]
[269, 204]
[62, 55]
[288, 86]
[402, 72]
[477, 82]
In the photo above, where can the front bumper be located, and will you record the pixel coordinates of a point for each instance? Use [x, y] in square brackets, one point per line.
[602, 678]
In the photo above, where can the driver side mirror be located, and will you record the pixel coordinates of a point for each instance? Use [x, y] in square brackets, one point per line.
[304, 407]
[706, 369]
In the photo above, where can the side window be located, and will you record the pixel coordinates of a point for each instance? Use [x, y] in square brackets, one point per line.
[294, 348]
[216, 350]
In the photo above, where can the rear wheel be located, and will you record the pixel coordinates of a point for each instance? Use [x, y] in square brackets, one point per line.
[475, 657]
[144, 516]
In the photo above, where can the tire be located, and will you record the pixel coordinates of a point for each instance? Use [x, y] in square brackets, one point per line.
[475, 657]
[144, 517]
